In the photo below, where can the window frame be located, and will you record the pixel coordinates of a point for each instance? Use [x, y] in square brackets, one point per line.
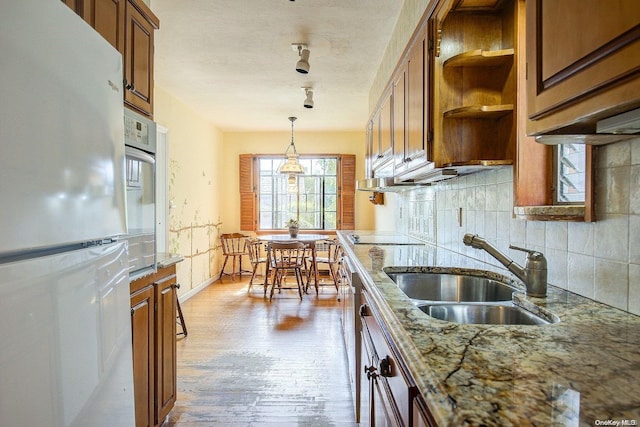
[249, 207]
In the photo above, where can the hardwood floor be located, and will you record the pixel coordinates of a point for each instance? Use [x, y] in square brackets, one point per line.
[249, 362]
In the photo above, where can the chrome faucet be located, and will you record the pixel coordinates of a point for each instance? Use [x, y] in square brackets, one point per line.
[534, 274]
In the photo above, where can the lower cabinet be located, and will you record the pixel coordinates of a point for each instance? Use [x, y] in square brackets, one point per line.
[389, 396]
[153, 324]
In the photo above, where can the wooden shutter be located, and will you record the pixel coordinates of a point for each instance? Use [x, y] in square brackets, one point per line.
[347, 192]
[248, 195]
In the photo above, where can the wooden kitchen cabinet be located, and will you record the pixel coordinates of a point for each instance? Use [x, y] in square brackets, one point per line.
[129, 26]
[153, 323]
[107, 18]
[143, 336]
[381, 125]
[582, 63]
[411, 148]
[474, 84]
[389, 396]
[140, 24]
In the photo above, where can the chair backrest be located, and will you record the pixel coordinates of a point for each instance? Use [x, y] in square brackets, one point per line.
[233, 243]
[331, 247]
[254, 246]
[287, 254]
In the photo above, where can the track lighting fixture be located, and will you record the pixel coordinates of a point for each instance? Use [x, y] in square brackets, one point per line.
[308, 102]
[302, 66]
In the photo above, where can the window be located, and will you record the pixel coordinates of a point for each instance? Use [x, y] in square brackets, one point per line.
[570, 166]
[310, 198]
[321, 199]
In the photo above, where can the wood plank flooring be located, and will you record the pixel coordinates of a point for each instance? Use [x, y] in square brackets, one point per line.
[251, 362]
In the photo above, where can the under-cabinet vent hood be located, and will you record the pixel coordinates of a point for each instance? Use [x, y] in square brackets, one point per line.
[612, 129]
[383, 185]
[625, 123]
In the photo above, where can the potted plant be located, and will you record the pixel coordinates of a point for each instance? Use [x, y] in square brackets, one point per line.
[293, 227]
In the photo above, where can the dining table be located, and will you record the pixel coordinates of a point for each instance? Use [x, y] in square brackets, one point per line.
[308, 239]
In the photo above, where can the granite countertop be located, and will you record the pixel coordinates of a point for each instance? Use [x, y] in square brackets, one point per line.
[583, 370]
[166, 259]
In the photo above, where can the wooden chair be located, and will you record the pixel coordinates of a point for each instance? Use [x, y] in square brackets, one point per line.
[257, 257]
[328, 252]
[234, 245]
[287, 257]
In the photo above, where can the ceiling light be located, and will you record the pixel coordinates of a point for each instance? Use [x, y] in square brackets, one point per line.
[291, 166]
[308, 102]
[302, 66]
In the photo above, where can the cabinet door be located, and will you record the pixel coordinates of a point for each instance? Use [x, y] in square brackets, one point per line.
[107, 18]
[142, 331]
[165, 290]
[577, 77]
[399, 124]
[138, 59]
[415, 109]
[416, 102]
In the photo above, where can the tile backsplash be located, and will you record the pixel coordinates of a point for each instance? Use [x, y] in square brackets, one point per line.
[599, 260]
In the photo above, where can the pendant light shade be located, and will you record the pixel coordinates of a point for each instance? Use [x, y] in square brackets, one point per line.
[291, 166]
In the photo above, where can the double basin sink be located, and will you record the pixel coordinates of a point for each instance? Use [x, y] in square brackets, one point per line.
[465, 296]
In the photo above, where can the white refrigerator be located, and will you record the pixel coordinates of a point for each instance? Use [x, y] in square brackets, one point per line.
[65, 324]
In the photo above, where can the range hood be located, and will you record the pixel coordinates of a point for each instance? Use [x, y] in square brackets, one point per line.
[609, 130]
[383, 185]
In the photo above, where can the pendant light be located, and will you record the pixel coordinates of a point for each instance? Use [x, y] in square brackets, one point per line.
[291, 166]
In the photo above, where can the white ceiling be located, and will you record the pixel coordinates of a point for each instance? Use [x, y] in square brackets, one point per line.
[232, 61]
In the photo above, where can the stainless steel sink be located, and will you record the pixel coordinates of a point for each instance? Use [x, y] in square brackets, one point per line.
[451, 287]
[483, 314]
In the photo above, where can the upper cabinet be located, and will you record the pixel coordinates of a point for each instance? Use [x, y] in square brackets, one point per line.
[582, 64]
[411, 105]
[379, 140]
[138, 56]
[129, 26]
[474, 94]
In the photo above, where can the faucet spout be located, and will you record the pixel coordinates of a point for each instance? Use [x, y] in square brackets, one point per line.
[533, 275]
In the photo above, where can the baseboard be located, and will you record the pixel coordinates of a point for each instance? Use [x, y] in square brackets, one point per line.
[182, 298]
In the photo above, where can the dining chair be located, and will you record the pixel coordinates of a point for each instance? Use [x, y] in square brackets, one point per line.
[257, 257]
[287, 257]
[328, 253]
[234, 245]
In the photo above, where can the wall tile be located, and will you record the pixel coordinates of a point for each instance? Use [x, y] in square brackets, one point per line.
[612, 190]
[612, 238]
[635, 151]
[634, 189]
[581, 274]
[580, 238]
[612, 280]
[556, 235]
[535, 233]
[613, 155]
[634, 288]
[634, 239]
[557, 267]
[517, 231]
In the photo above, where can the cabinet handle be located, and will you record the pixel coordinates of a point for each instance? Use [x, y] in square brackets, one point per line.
[385, 367]
[127, 85]
[371, 372]
[364, 311]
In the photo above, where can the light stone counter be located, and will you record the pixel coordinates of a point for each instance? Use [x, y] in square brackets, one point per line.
[584, 370]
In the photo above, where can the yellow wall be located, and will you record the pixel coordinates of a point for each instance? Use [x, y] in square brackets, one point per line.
[237, 143]
[195, 175]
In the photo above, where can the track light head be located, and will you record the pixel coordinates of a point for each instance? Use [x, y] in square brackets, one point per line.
[302, 66]
[308, 101]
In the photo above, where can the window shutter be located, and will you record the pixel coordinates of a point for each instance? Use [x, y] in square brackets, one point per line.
[248, 194]
[348, 192]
